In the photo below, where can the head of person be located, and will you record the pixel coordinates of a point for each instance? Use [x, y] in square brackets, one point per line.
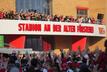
[105, 44]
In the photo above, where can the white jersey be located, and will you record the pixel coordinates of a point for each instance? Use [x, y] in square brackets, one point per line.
[45, 70]
[70, 70]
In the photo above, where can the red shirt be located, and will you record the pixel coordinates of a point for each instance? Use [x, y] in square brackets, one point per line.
[64, 60]
[2, 70]
[1, 15]
[64, 66]
[102, 60]
[50, 70]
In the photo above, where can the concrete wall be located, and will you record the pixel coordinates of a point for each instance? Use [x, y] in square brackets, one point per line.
[96, 6]
[68, 7]
[62, 42]
[7, 5]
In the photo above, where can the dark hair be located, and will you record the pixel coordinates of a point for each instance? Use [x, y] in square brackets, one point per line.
[34, 62]
[105, 44]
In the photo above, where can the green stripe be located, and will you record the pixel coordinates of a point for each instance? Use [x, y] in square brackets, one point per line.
[1, 41]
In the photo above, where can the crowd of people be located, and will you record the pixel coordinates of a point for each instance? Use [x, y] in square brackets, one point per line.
[50, 62]
[70, 61]
[34, 15]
